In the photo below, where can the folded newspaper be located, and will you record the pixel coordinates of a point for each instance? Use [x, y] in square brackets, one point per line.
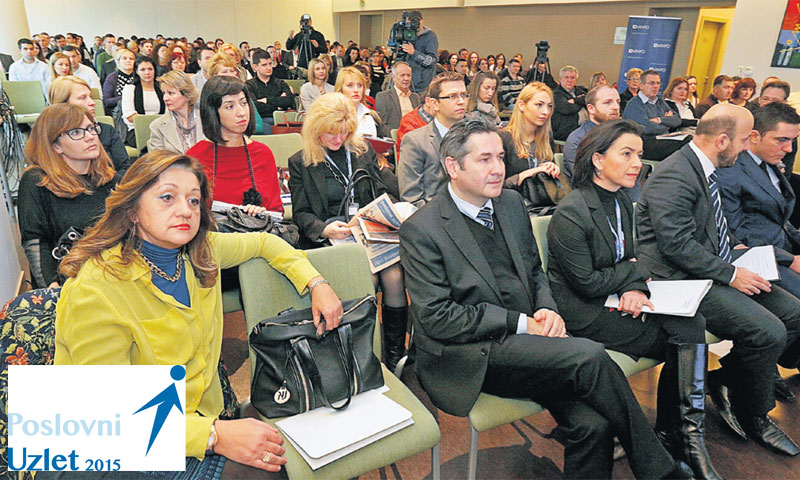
[376, 227]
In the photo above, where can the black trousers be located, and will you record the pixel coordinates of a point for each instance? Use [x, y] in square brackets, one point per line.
[760, 327]
[655, 149]
[587, 394]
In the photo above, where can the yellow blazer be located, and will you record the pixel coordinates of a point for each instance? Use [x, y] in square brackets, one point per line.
[102, 320]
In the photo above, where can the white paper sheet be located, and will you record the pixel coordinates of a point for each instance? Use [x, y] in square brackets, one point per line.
[672, 297]
[760, 260]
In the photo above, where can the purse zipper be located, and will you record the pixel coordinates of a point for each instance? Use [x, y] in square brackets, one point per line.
[305, 387]
[368, 298]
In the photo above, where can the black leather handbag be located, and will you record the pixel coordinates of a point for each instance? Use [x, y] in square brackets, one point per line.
[238, 221]
[543, 192]
[297, 371]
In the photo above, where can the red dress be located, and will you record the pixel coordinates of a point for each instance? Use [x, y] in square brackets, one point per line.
[233, 177]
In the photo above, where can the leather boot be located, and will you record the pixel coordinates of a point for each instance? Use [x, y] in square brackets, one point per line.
[667, 399]
[690, 362]
[394, 334]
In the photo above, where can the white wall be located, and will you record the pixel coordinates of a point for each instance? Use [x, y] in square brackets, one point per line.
[752, 40]
[257, 21]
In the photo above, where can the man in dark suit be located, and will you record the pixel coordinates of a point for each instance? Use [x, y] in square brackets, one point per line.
[758, 200]
[569, 99]
[487, 322]
[395, 102]
[683, 234]
[721, 92]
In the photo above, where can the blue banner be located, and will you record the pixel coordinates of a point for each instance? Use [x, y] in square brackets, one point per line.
[650, 44]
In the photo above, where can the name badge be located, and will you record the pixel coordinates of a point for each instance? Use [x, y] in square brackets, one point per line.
[353, 209]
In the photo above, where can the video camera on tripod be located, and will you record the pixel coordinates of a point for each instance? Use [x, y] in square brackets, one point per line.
[539, 74]
[404, 31]
[305, 24]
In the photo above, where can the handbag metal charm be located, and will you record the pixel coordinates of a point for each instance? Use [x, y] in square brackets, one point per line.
[282, 395]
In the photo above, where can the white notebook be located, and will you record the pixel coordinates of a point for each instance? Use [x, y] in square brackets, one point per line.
[324, 435]
[760, 260]
[672, 297]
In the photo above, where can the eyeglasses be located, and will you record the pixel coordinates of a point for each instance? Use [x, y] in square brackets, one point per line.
[455, 96]
[79, 133]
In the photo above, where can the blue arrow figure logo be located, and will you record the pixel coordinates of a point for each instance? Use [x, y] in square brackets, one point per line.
[165, 400]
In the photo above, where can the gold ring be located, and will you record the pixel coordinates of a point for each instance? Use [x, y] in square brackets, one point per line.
[266, 458]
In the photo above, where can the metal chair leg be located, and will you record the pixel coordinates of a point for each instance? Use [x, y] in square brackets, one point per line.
[472, 463]
[436, 462]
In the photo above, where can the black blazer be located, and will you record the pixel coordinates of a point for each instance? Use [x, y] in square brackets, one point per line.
[455, 297]
[581, 257]
[685, 122]
[309, 203]
[514, 164]
[677, 231]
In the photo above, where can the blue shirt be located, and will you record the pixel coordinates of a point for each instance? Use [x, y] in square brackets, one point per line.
[641, 109]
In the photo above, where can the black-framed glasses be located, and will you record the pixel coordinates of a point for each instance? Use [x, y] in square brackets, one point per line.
[79, 133]
[455, 96]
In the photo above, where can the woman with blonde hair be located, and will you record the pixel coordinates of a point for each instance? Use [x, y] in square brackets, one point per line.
[598, 79]
[528, 138]
[76, 91]
[180, 128]
[60, 66]
[335, 160]
[353, 83]
[483, 96]
[144, 289]
[317, 84]
[633, 79]
[116, 80]
[64, 188]
[236, 54]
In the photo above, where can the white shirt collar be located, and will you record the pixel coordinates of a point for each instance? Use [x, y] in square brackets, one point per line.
[708, 167]
[755, 157]
[441, 128]
[467, 208]
[645, 98]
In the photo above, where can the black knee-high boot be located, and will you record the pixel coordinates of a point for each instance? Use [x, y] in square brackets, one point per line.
[689, 362]
[394, 334]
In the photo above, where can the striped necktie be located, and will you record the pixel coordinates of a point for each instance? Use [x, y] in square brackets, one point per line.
[722, 224]
[485, 216]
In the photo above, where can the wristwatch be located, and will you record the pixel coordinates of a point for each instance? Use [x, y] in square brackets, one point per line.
[213, 438]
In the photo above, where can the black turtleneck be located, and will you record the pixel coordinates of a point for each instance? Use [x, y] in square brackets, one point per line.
[607, 200]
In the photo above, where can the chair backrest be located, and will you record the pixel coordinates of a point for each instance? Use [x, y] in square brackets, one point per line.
[295, 85]
[99, 108]
[141, 126]
[558, 158]
[281, 117]
[25, 97]
[539, 227]
[265, 291]
[282, 145]
[396, 151]
[96, 94]
[104, 119]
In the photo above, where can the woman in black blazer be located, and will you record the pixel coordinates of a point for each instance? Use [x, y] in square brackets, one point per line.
[319, 177]
[676, 96]
[592, 255]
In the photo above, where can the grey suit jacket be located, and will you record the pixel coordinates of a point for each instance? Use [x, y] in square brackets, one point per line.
[164, 133]
[457, 302]
[420, 174]
[757, 213]
[677, 232]
[387, 104]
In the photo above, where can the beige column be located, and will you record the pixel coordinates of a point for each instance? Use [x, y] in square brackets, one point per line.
[15, 26]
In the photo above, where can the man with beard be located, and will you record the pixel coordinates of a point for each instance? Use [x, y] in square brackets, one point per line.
[602, 103]
[682, 235]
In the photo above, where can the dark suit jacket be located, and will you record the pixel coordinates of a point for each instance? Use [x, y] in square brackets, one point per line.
[309, 197]
[757, 213]
[677, 232]
[455, 298]
[685, 122]
[565, 114]
[107, 69]
[387, 104]
[705, 105]
[581, 257]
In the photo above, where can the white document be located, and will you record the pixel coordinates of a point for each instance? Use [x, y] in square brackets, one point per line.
[672, 297]
[678, 136]
[324, 435]
[760, 260]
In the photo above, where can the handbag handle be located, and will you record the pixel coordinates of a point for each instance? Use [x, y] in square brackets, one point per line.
[344, 344]
[357, 176]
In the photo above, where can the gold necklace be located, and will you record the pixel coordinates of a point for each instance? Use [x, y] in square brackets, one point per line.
[154, 268]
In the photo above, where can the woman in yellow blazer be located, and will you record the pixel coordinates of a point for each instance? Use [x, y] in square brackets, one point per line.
[144, 290]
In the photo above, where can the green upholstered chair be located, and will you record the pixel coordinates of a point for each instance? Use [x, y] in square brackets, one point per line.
[539, 227]
[396, 151]
[295, 85]
[282, 116]
[283, 145]
[141, 127]
[104, 119]
[96, 94]
[99, 108]
[27, 98]
[265, 292]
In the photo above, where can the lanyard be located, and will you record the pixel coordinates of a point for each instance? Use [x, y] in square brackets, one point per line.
[619, 235]
[533, 162]
[339, 175]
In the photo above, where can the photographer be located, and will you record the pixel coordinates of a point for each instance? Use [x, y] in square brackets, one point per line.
[421, 53]
[316, 40]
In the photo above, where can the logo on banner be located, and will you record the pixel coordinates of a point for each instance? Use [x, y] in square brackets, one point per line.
[662, 45]
[640, 27]
[97, 418]
[634, 51]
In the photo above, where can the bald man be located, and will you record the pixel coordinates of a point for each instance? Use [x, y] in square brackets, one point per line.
[684, 235]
